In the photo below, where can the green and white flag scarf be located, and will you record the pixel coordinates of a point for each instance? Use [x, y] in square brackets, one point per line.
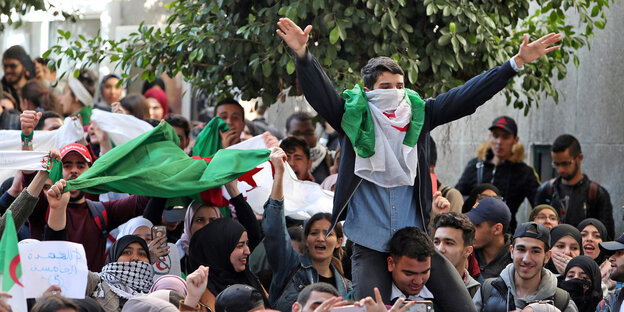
[383, 126]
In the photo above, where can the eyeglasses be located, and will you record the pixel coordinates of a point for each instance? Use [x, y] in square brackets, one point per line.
[543, 218]
[482, 196]
[562, 164]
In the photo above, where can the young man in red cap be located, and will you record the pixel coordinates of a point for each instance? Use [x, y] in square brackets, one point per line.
[81, 226]
[500, 161]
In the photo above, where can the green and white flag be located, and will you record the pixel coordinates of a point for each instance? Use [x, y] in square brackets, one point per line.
[24, 160]
[153, 165]
[10, 279]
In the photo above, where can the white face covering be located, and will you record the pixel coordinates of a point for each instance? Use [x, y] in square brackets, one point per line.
[386, 99]
[394, 163]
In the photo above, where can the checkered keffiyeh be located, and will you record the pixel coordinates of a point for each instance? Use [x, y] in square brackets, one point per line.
[126, 279]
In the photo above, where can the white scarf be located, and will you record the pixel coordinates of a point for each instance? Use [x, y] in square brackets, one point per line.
[126, 279]
[80, 92]
[394, 163]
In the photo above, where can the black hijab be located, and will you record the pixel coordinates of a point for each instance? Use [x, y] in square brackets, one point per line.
[472, 198]
[118, 247]
[556, 234]
[212, 246]
[602, 229]
[585, 300]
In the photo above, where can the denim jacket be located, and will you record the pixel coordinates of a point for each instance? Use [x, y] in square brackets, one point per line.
[291, 271]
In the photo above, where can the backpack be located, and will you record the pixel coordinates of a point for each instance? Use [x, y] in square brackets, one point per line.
[591, 192]
[561, 297]
[98, 212]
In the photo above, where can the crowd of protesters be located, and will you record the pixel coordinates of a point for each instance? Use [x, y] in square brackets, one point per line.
[407, 238]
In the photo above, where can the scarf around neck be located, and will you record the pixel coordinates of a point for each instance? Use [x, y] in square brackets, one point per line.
[126, 279]
[383, 127]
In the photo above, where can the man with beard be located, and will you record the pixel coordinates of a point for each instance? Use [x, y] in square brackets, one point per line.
[613, 303]
[15, 71]
[572, 194]
[81, 225]
[525, 281]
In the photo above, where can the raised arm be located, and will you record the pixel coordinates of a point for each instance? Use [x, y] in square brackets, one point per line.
[316, 86]
[245, 214]
[25, 203]
[57, 218]
[464, 100]
[282, 257]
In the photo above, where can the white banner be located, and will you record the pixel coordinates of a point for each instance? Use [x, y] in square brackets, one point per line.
[10, 140]
[54, 263]
[121, 128]
[24, 160]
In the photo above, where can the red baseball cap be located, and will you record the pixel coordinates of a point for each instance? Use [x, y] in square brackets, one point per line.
[75, 147]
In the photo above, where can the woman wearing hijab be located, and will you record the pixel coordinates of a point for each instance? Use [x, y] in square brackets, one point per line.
[545, 215]
[593, 232]
[157, 101]
[165, 260]
[199, 214]
[109, 92]
[224, 246]
[566, 244]
[126, 274]
[581, 279]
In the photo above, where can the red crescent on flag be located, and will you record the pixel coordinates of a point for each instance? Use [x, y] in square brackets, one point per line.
[13, 270]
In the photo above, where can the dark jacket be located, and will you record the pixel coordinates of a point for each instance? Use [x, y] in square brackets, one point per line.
[515, 179]
[496, 266]
[579, 205]
[612, 303]
[502, 297]
[454, 104]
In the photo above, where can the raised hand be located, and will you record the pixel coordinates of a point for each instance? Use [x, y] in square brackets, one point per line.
[294, 37]
[196, 283]
[228, 138]
[277, 158]
[29, 120]
[440, 204]
[530, 52]
[56, 198]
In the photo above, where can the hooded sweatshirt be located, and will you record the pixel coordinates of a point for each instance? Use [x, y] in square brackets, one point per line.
[545, 291]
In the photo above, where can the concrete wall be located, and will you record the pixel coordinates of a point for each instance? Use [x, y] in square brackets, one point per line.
[592, 109]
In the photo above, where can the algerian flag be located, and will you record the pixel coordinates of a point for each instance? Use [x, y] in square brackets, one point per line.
[121, 128]
[302, 199]
[154, 165]
[11, 267]
[10, 140]
[24, 160]
[209, 140]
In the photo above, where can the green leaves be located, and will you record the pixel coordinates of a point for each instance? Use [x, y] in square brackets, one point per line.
[333, 35]
[221, 46]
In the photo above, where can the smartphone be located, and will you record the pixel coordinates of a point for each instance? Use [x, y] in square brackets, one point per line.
[348, 308]
[422, 306]
[159, 231]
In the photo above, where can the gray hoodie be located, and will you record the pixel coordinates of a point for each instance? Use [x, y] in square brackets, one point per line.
[546, 289]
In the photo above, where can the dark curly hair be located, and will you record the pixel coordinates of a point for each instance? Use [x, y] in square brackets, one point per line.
[457, 221]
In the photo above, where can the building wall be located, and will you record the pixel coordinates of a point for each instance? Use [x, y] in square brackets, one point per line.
[591, 109]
